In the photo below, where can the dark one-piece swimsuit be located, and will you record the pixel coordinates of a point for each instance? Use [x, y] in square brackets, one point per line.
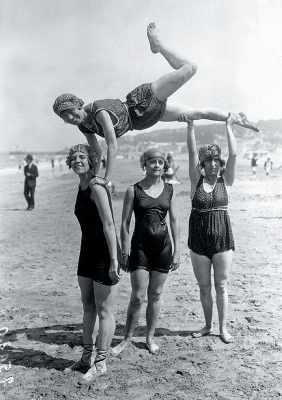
[151, 247]
[94, 259]
[210, 229]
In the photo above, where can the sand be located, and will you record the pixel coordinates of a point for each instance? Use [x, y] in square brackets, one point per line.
[41, 307]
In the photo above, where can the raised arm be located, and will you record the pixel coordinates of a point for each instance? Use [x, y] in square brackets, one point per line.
[125, 223]
[232, 150]
[194, 173]
[175, 232]
[99, 195]
[105, 121]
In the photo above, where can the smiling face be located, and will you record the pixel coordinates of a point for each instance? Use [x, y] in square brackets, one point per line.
[74, 117]
[155, 166]
[79, 163]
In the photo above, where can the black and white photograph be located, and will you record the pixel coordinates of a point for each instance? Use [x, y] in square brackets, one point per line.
[141, 200]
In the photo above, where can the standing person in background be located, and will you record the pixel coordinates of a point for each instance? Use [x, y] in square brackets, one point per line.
[254, 164]
[151, 256]
[211, 240]
[268, 166]
[31, 173]
[52, 163]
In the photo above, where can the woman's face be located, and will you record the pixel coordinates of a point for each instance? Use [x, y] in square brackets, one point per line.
[74, 117]
[155, 166]
[212, 166]
[79, 163]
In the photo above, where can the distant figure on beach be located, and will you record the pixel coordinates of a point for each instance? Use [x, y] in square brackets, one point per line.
[52, 163]
[211, 239]
[143, 108]
[98, 265]
[170, 161]
[31, 173]
[254, 164]
[151, 256]
[268, 166]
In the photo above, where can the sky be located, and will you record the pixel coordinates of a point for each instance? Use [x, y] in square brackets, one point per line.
[99, 49]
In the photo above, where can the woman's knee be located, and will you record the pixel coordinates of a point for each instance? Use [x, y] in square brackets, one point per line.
[137, 299]
[189, 69]
[221, 287]
[205, 289]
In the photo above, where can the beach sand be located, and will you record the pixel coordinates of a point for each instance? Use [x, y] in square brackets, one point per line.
[41, 306]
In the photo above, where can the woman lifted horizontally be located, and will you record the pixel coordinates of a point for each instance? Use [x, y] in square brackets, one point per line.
[144, 107]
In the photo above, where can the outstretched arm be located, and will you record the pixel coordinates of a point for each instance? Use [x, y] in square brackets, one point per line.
[175, 231]
[105, 121]
[232, 149]
[99, 195]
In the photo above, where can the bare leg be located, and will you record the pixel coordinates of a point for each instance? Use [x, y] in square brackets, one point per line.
[90, 326]
[221, 263]
[174, 110]
[202, 271]
[184, 69]
[104, 299]
[155, 289]
[139, 282]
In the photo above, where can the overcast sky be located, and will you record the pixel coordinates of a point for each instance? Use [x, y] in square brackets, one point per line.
[98, 49]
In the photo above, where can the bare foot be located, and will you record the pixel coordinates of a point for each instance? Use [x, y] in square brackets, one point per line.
[152, 346]
[242, 120]
[153, 36]
[202, 332]
[226, 337]
[115, 351]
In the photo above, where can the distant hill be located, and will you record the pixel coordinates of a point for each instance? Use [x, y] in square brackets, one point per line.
[270, 134]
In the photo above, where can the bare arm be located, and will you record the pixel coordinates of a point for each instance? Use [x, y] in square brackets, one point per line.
[194, 173]
[175, 231]
[105, 121]
[95, 147]
[232, 149]
[126, 218]
[99, 196]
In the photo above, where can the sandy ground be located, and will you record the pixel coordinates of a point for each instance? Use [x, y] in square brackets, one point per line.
[41, 307]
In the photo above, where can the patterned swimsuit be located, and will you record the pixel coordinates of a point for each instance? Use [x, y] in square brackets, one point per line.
[210, 229]
[151, 247]
[141, 110]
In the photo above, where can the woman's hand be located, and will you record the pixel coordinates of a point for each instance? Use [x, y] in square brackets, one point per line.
[97, 180]
[231, 119]
[184, 118]
[113, 272]
[175, 262]
[125, 262]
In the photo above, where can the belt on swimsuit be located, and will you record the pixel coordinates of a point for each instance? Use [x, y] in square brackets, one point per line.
[130, 122]
[223, 208]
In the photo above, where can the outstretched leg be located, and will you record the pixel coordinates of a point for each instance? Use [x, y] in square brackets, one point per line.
[184, 69]
[173, 113]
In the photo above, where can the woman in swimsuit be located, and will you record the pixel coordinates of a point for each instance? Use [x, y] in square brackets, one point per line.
[210, 234]
[98, 265]
[151, 256]
[143, 108]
